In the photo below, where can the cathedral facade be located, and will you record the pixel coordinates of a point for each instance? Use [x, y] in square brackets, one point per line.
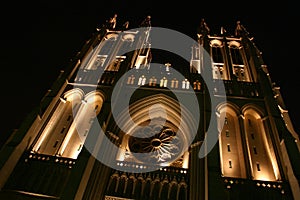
[206, 123]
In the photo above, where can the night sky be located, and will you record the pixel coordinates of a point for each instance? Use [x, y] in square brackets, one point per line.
[38, 39]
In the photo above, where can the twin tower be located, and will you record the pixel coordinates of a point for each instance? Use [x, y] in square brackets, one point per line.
[150, 113]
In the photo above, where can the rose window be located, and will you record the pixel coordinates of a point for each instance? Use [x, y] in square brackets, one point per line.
[155, 144]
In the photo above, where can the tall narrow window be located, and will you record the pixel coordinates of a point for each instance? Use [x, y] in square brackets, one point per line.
[63, 129]
[174, 83]
[257, 166]
[240, 70]
[197, 85]
[61, 135]
[59, 123]
[218, 63]
[130, 80]
[76, 135]
[196, 64]
[142, 80]
[228, 148]
[185, 84]
[163, 82]
[55, 144]
[79, 148]
[152, 81]
[231, 150]
[254, 150]
[260, 149]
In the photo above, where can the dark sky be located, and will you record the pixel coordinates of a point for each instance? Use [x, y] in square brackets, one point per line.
[39, 38]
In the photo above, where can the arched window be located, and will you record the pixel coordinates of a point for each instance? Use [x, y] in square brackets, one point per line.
[130, 80]
[138, 187]
[113, 183]
[147, 189]
[97, 56]
[174, 83]
[108, 43]
[230, 143]
[130, 186]
[197, 85]
[57, 127]
[152, 81]
[182, 192]
[122, 185]
[185, 84]
[218, 62]
[164, 190]
[261, 153]
[155, 189]
[163, 82]
[76, 136]
[173, 191]
[142, 80]
[65, 133]
[240, 69]
[195, 65]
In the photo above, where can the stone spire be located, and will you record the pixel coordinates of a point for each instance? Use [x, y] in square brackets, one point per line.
[203, 29]
[240, 30]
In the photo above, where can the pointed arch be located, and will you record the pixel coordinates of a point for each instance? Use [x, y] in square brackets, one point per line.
[256, 109]
[230, 141]
[173, 189]
[182, 190]
[61, 118]
[182, 193]
[263, 162]
[219, 62]
[239, 62]
[77, 134]
[130, 186]
[139, 186]
[156, 187]
[158, 110]
[113, 184]
[163, 194]
[122, 184]
[147, 189]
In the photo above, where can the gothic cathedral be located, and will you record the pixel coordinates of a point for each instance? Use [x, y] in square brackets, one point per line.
[205, 123]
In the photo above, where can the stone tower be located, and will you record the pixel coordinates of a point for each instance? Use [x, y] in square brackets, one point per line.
[204, 123]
